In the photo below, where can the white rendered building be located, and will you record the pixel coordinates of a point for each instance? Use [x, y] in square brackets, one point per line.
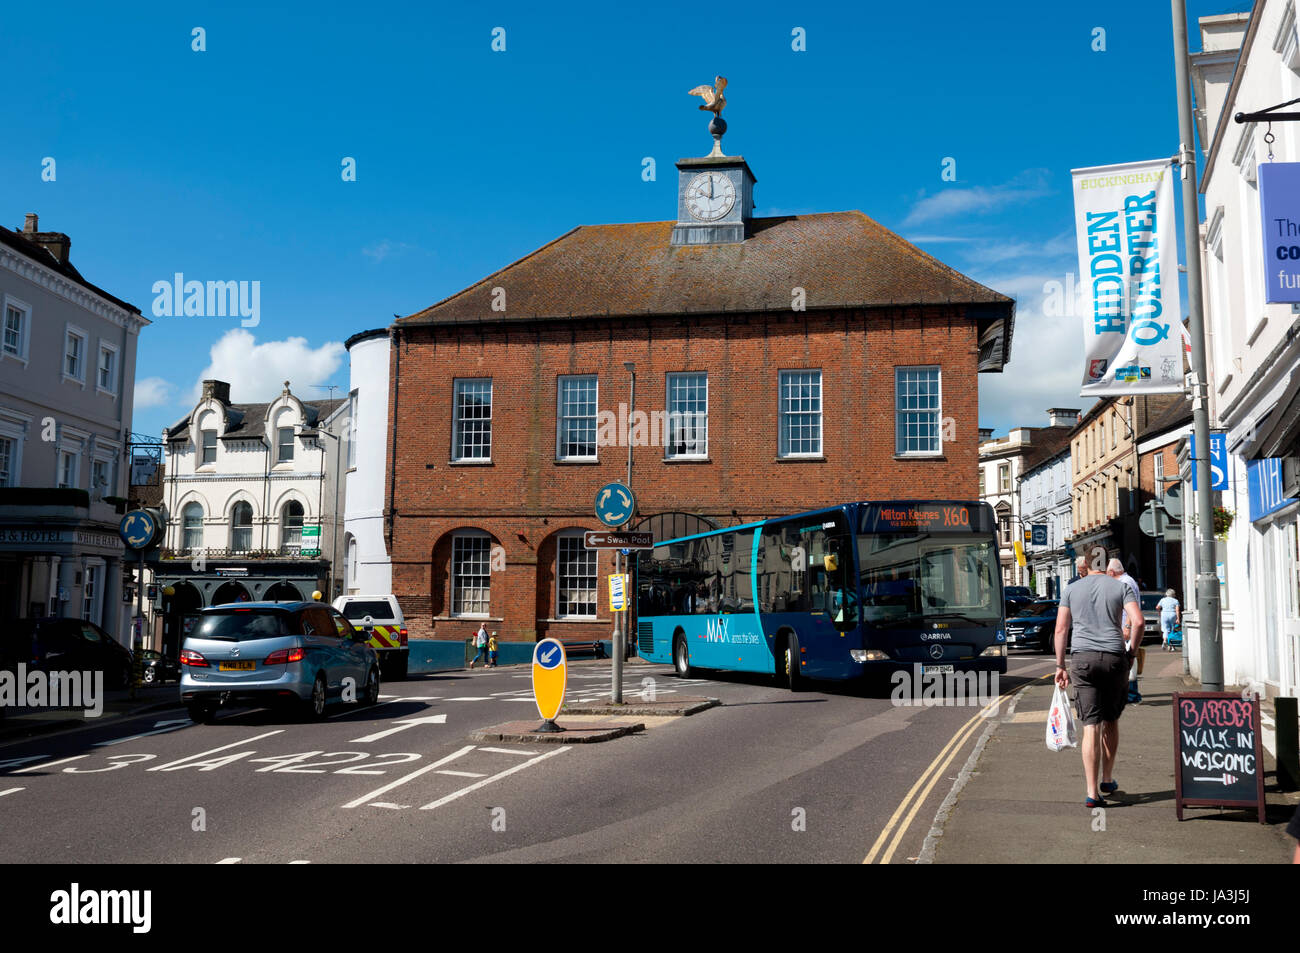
[368, 569]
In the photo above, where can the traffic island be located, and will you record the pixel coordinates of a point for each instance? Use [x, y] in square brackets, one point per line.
[676, 706]
[576, 732]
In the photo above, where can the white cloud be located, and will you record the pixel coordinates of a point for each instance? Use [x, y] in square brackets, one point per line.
[953, 203]
[381, 249]
[1046, 366]
[153, 392]
[257, 372]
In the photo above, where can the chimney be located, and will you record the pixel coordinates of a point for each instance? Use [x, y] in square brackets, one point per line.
[220, 390]
[56, 243]
[1062, 416]
[986, 433]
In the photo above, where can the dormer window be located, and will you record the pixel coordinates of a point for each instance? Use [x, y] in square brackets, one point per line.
[284, 445]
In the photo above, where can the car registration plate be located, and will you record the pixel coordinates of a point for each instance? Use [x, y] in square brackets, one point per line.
[937, 670]
[237, 666]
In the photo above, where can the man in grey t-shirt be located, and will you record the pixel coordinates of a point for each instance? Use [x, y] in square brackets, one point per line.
[1094, 606]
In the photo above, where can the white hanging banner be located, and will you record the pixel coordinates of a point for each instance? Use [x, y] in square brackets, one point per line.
[1128, 259]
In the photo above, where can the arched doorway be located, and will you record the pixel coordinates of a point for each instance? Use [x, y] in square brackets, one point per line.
[230, 592]
[283, 592]
[178, 611]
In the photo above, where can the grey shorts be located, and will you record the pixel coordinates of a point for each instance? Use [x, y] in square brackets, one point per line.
[1100, 681]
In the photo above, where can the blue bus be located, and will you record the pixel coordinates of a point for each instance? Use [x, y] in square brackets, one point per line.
[836, 593]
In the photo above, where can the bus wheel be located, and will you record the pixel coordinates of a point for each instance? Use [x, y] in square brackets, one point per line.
[682, 657]
[793, 678]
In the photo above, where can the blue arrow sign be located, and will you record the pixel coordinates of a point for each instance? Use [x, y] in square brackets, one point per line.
[137, 529]
[615, 504]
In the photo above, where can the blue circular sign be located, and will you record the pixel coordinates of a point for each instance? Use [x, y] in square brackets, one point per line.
[548, 654]
[615, 504]
[137, 529]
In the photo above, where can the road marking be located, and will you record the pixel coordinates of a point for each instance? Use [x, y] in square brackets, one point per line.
[509, 751]
[50, 764]
[11, 791]
[933, 772]
[159, 729]
[300, 861]
[410, 777]
[352, 710]
[390, 805]
[402, 725]
[471, 698]
[233, 744]
[486, 781]
[230, 860]
[474, 774]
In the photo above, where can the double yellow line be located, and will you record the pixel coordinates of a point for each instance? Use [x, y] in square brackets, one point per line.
[937, 767]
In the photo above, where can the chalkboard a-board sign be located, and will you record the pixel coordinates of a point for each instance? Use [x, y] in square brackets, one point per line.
[1217, 751]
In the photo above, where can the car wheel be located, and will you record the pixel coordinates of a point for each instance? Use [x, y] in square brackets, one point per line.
[201, 713]
[150, 675]
[682, 657]
[371, 696]
[790, 660]
[316, 704]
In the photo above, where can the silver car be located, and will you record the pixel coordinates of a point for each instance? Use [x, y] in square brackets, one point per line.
[303, 653]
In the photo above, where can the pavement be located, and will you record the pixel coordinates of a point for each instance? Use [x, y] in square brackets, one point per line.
[1016, 801]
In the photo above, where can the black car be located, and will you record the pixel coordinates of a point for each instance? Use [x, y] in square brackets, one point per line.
[156, 667]
[1033, 626]
[68, 645]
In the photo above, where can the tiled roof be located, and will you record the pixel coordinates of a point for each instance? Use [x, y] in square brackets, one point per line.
[248, 421]
[1169, 413]
[841, 259]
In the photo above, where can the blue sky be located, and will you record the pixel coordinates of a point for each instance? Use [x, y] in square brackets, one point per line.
[225, 164]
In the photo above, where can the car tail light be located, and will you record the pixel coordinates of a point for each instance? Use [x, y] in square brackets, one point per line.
[402, 633]
[285, 656]
[190, 657]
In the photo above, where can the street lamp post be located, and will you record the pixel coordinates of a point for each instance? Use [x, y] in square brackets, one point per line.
[621, 625]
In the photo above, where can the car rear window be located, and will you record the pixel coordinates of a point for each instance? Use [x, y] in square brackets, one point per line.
[1152, 600]
[375, 608]
[244, 626]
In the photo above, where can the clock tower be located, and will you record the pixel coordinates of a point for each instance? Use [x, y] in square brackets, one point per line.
[715, 194]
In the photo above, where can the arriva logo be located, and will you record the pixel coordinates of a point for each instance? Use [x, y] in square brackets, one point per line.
[716, 630]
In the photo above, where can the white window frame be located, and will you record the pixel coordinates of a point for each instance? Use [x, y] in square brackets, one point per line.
[354, 401]
[203, 448]
[575, 536]
[458, 546]
[106, 347]
[71, 331]
[92, 592]
[14, 426]
[561, 418]
[1004, 478]
[73, 478]
[185, 530]
[234, 528]
[673, 420]
[107, 489]
[458, 454]
[784, 415]
[24, 330]
[286, 542]
[279, 444]
[900, 443]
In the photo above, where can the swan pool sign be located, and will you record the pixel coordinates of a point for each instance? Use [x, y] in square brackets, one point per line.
[550, 672]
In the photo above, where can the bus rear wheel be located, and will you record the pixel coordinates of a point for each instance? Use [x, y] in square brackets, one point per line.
[682, 658]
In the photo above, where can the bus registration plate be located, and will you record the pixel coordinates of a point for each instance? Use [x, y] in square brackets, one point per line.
[937, 670]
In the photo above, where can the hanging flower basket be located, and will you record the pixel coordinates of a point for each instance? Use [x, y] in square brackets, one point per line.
[1222, 522]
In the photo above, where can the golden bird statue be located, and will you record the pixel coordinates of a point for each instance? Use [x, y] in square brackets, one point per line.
[714, 101]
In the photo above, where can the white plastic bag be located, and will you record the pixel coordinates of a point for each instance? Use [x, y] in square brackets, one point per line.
[1061, 730]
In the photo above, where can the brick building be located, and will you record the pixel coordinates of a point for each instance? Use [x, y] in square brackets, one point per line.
[757, 367]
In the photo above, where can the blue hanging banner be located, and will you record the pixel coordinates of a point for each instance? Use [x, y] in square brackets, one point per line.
[1264, 484]
[1279, 202]
[1218, 461]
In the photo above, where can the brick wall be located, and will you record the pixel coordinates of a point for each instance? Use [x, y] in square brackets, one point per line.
[524, 498]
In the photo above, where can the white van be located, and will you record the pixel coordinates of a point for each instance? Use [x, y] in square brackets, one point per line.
[380, 617]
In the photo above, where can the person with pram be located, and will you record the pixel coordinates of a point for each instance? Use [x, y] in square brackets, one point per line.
[1171, 618]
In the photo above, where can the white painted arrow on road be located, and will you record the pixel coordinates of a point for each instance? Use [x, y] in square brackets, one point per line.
[159, 727]
[402, 726]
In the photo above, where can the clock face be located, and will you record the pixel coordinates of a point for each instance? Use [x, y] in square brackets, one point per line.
[710, 196]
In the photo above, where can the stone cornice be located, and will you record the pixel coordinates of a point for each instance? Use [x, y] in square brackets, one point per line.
[70, 291]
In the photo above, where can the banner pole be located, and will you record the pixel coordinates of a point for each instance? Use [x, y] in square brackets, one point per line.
[1207, 579]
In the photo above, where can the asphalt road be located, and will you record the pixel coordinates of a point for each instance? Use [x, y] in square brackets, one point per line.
[768, 777]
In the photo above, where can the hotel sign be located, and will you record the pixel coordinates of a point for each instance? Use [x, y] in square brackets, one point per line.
[1279, 200]
[42, 537]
